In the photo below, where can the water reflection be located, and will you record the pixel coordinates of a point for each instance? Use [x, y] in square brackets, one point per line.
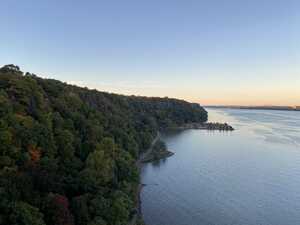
[247, 177]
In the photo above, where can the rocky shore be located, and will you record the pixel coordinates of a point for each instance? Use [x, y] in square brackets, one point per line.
[207, 126]
[136, 217]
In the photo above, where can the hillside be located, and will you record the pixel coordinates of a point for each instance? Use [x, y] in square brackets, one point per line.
[67, 154]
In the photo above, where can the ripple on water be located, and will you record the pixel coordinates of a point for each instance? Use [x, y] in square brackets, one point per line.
[250, 176]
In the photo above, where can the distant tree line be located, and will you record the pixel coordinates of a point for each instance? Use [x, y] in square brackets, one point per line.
[67, 154]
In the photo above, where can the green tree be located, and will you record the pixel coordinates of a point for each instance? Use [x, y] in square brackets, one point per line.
[25, 214]
[99, 168]
[77, 143]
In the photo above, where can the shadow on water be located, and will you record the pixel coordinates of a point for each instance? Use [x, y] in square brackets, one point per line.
[250, 176]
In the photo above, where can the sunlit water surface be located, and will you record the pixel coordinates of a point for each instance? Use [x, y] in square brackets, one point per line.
[250, 176]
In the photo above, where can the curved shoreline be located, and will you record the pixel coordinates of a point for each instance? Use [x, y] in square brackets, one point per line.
[144, 155]
[139, 163]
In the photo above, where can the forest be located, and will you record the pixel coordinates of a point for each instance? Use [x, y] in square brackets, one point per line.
[68, 154]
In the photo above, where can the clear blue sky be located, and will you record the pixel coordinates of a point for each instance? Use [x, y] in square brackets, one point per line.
[212, 52]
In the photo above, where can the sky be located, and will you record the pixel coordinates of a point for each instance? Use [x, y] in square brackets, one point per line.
[225, 52]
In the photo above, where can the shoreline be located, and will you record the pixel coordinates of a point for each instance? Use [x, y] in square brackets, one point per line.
[198, 126]
[139, 163]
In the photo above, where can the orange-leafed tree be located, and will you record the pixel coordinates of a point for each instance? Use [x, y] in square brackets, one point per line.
[35, 153]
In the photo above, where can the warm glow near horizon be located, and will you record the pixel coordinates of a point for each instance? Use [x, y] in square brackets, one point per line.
[212, 52]
[279, 96]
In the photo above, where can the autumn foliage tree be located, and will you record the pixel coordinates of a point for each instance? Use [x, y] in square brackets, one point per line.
[68, 154]
[58, 211]
[35, 153]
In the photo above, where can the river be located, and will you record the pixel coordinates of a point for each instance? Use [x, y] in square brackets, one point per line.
[250, 176]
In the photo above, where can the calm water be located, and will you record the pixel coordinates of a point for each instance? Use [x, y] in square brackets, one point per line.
[248, 177]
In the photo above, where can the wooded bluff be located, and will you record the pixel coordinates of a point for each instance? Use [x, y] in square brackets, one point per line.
[67, 154]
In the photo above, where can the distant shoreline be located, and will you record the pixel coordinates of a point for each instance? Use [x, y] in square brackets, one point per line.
[279, 108]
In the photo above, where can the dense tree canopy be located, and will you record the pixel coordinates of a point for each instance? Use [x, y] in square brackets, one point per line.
[67, 154]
